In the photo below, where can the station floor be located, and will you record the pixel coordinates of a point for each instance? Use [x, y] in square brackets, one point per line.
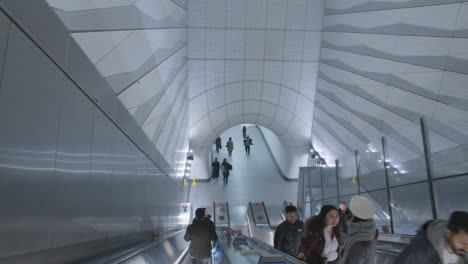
[253, 178]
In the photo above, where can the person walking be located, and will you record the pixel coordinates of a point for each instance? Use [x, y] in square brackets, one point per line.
[230, 146]
[289, 234]
[215, 169]
[244, 131]
[439, 242]
[218, 144]
[200, 234]
[345, 215]
[323, 237]
[359, 246]
[247, 144]
[225, 168]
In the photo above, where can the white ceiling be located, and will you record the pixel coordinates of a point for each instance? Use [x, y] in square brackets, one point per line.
[247, 61]
[253, 61]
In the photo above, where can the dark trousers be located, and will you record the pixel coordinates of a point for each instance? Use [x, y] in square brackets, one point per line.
[217, 148]
[225, 177]
[215, 174]
[247, 150]
[230, 153]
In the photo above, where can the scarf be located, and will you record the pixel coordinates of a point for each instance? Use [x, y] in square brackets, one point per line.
[359, 231]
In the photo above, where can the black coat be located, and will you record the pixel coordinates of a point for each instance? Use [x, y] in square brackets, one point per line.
[288, 237]
[344, 218]
[200, 234]
[216, 167]
[421, 249]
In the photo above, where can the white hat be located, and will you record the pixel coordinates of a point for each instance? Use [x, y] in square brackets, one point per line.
[362, 207]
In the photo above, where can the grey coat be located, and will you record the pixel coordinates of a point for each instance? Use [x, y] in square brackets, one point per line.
[359, 246]
[427, 246]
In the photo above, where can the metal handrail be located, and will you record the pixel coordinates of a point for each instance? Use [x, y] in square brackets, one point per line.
[288, 257]
[142, 249]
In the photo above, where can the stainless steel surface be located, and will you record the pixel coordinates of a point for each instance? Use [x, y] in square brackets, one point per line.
[68, 174]
[221, 214]
[168, 251]
[234, 252]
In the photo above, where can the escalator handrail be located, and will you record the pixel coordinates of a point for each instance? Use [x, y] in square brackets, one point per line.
[290, 258]
[221, 246]
[143, 249]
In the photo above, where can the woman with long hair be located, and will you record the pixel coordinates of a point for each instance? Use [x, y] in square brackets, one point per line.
[323, 238]
[359, 246]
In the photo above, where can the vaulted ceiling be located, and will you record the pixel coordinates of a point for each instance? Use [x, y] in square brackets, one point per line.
[253, 61]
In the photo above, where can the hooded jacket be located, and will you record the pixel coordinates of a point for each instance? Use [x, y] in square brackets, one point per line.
[200, 234]
[427, 246]
[359, 246]
[288, 237]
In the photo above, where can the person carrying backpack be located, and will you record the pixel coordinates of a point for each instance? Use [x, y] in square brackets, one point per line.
[247, 144]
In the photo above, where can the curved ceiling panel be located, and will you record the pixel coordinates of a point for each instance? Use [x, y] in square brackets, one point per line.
[254, 62]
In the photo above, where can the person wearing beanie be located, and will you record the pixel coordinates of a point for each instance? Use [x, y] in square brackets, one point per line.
[323, 237]
[359, 247]
[200, 234]
[289, 234]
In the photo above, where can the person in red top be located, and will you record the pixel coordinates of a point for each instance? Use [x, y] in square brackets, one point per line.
[323, 238]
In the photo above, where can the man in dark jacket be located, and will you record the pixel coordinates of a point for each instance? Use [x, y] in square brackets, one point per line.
[225, 168]
[439, 242]
[345, 215]
[218, 144]
[200, 234]
[289, 233]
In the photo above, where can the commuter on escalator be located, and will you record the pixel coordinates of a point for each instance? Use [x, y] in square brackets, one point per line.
[230, 146]
[359, 245]
[208, 219]
[215, 169]
[247, 144]
[323, 237]
[289, 233]
[218, 144]
[439, 242]
[345, 215]
[200, 234]
[225, 168]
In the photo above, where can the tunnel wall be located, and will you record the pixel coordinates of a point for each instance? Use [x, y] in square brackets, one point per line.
[69, 173]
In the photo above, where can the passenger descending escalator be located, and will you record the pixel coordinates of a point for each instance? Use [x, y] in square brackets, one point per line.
[232, 246]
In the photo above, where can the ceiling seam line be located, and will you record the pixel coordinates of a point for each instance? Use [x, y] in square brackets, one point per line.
[149, 71]
[393, 86]
[164, 92]
[385, 107]
[113, 48]
[399, 61]
[277, 106]
[225, 64]
[396, 35]
[356, 116]
[387, 9]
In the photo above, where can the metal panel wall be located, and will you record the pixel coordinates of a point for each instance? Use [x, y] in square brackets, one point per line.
[68, 174]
